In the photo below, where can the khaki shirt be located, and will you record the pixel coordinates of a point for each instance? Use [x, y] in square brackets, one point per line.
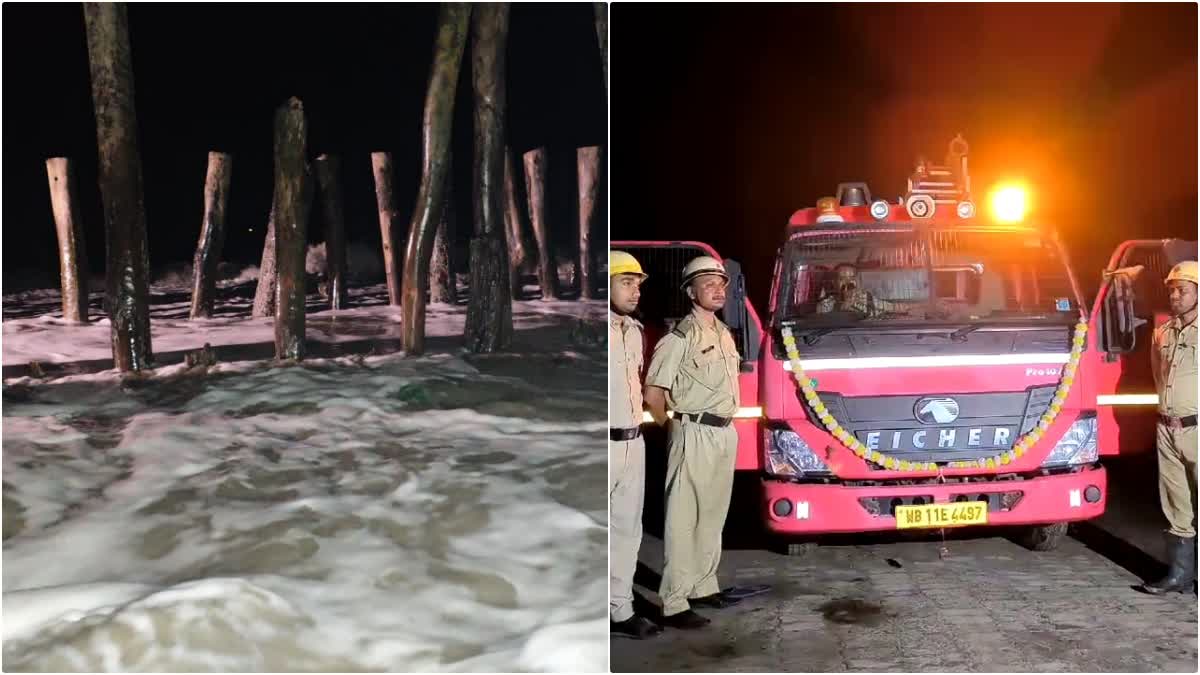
[698, 367]
[1174, 355]
[624, 372]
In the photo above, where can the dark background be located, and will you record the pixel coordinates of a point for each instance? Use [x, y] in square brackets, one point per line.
[209, 77]
[727, 119]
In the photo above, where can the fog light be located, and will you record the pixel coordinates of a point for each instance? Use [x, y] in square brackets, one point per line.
[966, 210]
[782, 508]
[1092, 494]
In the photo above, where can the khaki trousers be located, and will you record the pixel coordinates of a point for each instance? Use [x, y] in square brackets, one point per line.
[626, 495]
[1177, 478]
[699, 483]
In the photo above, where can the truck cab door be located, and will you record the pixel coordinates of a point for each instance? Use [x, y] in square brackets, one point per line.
[743, 320]
[1131, 303]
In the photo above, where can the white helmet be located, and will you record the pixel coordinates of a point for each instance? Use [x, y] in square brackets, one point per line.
[701, 266]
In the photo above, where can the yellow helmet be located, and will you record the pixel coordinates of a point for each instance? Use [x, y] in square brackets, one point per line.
[1184, 271]
[620, 262]
[701, 266]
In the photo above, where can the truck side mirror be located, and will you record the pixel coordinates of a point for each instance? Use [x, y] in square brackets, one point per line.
[737, 317]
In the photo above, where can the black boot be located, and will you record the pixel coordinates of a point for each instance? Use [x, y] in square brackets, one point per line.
[636, 627]
[685, 620]
[714, 601]
[1181, 551]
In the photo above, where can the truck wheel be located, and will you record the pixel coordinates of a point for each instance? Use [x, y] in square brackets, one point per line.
[1043, 537]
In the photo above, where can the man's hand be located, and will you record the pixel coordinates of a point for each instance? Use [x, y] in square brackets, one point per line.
[656, 403]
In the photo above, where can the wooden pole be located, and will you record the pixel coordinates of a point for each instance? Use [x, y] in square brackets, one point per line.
[489, 315]
[328, 170]
[128, 263]
[264, 293]
[212, 234]
[602, 36]
[293, 189]
[439, 116]
[589, 180]
[513, 229]
[72, 249]
[442, 286]
[535, 181]
[381, 167]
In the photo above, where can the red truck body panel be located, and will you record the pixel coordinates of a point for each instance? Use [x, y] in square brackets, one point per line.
[1031, 495]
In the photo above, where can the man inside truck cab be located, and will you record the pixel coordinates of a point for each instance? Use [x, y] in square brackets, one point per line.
[1174, 356]
[694, 371]
[849, 295]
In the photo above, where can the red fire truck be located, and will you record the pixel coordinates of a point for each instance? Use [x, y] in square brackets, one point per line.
[925, 365]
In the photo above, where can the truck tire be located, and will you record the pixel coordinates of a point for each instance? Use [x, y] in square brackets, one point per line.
[1042, 537]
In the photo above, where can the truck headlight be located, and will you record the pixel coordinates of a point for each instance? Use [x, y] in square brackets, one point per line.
[1077, 446]
[789, 455]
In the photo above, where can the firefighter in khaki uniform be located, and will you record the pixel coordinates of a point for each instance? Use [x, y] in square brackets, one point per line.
[626, 448]
[694, 371]
[1174, 361]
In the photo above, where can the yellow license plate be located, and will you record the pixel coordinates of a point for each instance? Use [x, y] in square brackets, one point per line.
[955, 514]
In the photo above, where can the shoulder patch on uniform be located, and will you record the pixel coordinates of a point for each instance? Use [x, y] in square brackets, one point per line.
[681, 328]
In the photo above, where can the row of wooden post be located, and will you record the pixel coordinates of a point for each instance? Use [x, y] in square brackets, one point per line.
[281, 288]
[73, 256]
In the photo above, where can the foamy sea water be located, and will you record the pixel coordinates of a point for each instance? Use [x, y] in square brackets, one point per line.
[389, 514]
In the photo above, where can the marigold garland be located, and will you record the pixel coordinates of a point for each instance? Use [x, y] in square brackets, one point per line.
[1007, 457]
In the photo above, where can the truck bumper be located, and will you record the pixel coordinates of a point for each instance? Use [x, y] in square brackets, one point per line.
[816, 509]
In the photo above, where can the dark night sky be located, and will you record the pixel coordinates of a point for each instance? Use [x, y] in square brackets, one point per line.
[726, 119]
[210, 76]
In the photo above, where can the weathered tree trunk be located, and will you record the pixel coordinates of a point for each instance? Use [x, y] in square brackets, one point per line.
[127, 268]
[489, 315]
[602, 36]
[535, 182]
[264, 293]
[512, 226]
[589, 182]
[72, 249]
[293, 194]
[212, 234]
[439, 116]
[328, 170]
[381, 167]
[442, 286]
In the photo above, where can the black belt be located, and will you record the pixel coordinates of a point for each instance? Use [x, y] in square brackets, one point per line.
[706, 418]
[618, 434]
[1177, 422]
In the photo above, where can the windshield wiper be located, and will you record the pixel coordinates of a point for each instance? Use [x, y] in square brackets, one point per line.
[814, 336]
[960, 335]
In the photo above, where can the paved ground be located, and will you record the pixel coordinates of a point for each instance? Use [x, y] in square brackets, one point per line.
[989, 605]
[1133, 513]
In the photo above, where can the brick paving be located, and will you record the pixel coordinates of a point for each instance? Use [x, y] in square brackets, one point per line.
[988, 606]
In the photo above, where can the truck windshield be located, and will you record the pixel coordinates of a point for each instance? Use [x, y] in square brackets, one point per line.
[900, 275]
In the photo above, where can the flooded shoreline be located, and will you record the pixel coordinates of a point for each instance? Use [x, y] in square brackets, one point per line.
[370, 513]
